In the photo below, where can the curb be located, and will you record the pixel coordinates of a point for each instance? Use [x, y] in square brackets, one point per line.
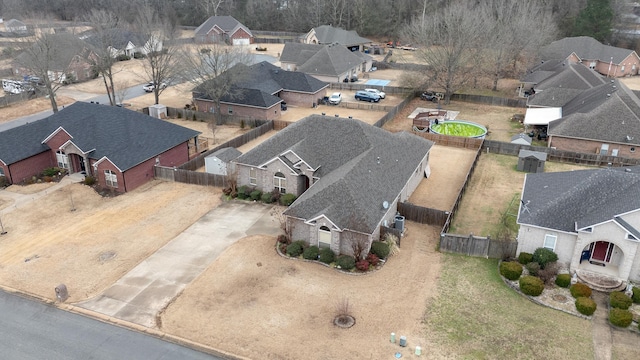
[124, 324]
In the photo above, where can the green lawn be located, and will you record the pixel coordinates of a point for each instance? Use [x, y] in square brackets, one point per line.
[476, 316]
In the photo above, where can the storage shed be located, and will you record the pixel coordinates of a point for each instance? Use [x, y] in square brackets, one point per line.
[521, 139]
[218, 162]
[531, 161]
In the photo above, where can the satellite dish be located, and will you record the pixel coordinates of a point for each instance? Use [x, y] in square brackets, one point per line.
[385, 205]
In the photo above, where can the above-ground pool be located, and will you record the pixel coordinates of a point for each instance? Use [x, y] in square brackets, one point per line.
[459, 128]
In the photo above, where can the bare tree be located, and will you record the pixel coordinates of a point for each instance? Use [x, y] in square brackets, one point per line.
[210, 7]
[162, 63]
[216, 70]
[121, 90]
[105, 34]
[445, 39]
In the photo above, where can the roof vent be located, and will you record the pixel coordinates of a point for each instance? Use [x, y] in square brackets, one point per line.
[378, 159]
[627, 170]
[629, 138]
[612, 81]
[608, 95]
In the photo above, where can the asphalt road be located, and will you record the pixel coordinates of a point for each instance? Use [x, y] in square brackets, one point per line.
[33, 330]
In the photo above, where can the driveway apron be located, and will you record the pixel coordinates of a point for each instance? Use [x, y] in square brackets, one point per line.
[149, 287]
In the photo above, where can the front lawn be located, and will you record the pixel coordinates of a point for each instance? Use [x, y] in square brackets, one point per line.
[476, 316]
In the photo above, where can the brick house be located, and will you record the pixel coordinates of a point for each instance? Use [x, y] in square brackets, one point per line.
[70, 60]
[603, 120]
[263, 88]
[607, 60]
[330, 63]
[223, 30]
[349, 177]
[590, 218]
[118, 147]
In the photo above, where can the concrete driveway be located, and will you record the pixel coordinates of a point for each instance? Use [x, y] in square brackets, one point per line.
[149, 287]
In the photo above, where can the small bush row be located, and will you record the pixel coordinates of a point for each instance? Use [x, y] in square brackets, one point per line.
[248, 193]
[325, 255]
[620, 317]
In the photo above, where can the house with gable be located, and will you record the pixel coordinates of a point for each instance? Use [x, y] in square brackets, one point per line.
[124, 42]
[330, 63]
[327, 34]
[590, 218]
[348, 175]
[607, 60]
[261, 91]
[603, 120]
[118, 147]
[15, 26]
[223, 30]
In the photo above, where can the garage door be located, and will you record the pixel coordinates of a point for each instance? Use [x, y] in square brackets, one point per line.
[240, 41]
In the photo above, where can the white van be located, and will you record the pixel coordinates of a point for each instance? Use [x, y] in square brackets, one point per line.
[12, 86]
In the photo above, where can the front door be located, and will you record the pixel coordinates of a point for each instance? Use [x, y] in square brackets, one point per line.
[600, 251]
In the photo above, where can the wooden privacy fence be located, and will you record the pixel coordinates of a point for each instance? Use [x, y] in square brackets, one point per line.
[505, 148]
[189, 177]
[477, 246]
[392, 113]
[454, 141]
[422, 214]
[492, 100]
[384, 230]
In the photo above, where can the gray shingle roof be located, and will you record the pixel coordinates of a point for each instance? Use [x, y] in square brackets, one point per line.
[587, 197]
[228, 24]
[264, 80]
[522, 136]
[553, 97]
[328, 60]
[226, 154]
[536, 154]
[353, 184]
[328, 34]
[608, 113]
[126, 137]
[116, 38]
[572, 76]
[587, 48]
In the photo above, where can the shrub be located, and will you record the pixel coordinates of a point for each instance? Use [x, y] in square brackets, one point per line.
[47, 179]
[620, 317]
[524, 258]
[327, 256]
[585, 306]
[3, 181]
[380, 249]
[287, 199]
[533, 268]
[284, 239]
[179, 115]
[242, 192]
[242, 125]
[194, 118]
[51, 171]
[275, 196]
[295, 248]
[563, 280]
[580, 290]
[373, 259]
[619, 300]
[311, 253]
[255, 195]
[362, 265]
[531, 285]
[346, 262]
[548, 273]
[636, 295]
[139, 55]
[266, 198]
[123, 58]
[544, 256]
[511, 270]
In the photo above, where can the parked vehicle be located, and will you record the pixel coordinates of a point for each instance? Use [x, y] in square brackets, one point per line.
[12, 86]
[350, 79]
[367, 96]
[377, 92]
[151, 86]
[429, 96]
[335, 98]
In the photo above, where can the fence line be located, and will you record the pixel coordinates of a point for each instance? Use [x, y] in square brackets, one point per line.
[9, 99]
[471, 245]
[392, 113]
[454, 141]
[357, 86]
[389, 230]
[492, 100]
[505, 148]
[422, 214]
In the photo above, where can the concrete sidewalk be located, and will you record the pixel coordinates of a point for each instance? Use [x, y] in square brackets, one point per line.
[149, 287]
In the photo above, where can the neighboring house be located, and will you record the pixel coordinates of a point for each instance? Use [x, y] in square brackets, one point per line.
[118, 147]
[218, 162]
[330, 63]
[327, 34]
[15, 26]
[70, 60]
[124, 42]
[223, 30]
[608, 60]
[521, 139]
[590, 218]
[349, 177]
[603, 120]
[265, 87]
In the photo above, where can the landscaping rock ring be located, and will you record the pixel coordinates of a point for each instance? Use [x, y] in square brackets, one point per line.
[559, 298]
[344, 321]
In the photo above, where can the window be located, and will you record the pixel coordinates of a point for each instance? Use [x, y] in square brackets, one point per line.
[604, 149]
[63, 160]
[631, 237]
[230, 110]
[324, 237]
[622, 68]
[110, 178]
[614, 152]
[1, 171]
[550, 242]
[253, 178]
[280, 182]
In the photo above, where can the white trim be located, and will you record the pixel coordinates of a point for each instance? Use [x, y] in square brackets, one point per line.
[111, 178]
[264, 165]
[311, 221]
[631, 237]
[255, 178]
[547, 229]
[95, 164]
[300, 159]
[550, 236]
[69, 142]
[54, 133]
